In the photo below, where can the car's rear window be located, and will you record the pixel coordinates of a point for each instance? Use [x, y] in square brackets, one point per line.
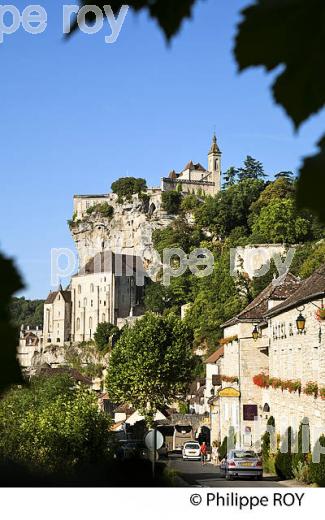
[191, 446]
[244, 455]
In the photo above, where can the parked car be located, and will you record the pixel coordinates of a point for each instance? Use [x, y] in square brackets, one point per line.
[130, 449]
[242, 463]
[191, 451]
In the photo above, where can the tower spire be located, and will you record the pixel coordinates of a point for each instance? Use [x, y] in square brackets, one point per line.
[214, 146]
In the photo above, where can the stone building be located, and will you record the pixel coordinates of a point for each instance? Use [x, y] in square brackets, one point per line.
[30, 341]
[109, 288]
[297, 358]
[246, 353]
[194, 178]
[57, 317]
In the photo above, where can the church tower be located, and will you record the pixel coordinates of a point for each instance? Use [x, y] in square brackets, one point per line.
[214, 165]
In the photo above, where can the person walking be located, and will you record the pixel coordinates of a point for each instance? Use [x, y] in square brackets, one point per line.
[203, 451]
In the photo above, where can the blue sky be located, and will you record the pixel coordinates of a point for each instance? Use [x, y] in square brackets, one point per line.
[77, 115]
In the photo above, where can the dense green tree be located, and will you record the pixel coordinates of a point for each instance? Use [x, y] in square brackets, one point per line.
[179, 234]
[157, 298]
[105, 334]
[10, 282]
[252, 169]
[128, 186]
[27, 312]
[289, 176]
[282, 188]
[280, 222]
[54, 425]
[151, 364]
[171, 201]
[230, 176]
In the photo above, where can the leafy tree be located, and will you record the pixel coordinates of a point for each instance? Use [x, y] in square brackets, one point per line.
[252, 169]
[299, 89]
[190, 203]
[289, 176]
[280, 222]
[178, 234]
[104, 209]
[26, 312]
[282, 188]
[317, 469]
[171, 201]
[10, 282]
[315, 259]
[151, 364]
[54, 425]
[230, 177]
[157, 298]
[105, 333]
[283, 459]
[128, 186]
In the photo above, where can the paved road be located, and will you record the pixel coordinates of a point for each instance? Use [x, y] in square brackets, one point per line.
[209, 476]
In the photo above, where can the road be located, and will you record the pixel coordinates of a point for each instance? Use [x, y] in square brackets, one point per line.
[209, 476]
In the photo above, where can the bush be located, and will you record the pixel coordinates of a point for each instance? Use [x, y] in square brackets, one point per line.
[317, 469]
[104, 333]
[104, 209]
[171, 201]
[283, 459]
[223, 448]
[128, 186]
[54, 425]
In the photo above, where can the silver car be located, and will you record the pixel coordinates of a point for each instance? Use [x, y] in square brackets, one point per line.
[242, 463]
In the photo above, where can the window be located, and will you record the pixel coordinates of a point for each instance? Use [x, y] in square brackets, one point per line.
[104, 303]
[79, 289]
[90, 323]
[85, 302]
[58, 340]
[79, 304]
[91, 303]
[78, 324]
[92, 288]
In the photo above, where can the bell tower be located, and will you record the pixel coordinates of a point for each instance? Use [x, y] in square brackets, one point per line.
[214, 165]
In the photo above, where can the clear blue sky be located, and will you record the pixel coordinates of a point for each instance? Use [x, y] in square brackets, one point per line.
[77, 115]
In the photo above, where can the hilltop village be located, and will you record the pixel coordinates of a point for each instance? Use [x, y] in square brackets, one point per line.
[258, 341]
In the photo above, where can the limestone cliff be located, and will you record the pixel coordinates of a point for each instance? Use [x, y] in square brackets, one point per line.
[127, 230]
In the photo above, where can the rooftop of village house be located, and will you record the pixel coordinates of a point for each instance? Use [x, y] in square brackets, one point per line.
[279, 289]
[310, 289]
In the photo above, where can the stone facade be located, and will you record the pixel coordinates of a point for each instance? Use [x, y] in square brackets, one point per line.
[194, 178]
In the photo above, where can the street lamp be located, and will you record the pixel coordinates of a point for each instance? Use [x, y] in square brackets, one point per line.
[255, 333]
[301, 322]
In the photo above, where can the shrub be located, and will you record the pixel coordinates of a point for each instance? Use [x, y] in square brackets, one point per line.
[317, 469]
[128, 186]
[105, 333]
[283, 459]
[311, 388]
[171, 201]
[103, 209]
[223, 448]
[300, 460]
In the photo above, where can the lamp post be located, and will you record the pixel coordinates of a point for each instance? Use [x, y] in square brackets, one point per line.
[255, 333]
[301, 320]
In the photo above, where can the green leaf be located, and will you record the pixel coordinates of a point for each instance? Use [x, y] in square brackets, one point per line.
[289, 33]
[311, 183]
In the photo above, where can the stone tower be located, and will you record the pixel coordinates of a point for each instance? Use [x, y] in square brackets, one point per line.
[214, 165]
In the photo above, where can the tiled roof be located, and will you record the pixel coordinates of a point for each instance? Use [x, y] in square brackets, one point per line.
[215, 356]
[194, 166]
[312, 288]
[66, 295]
[279, 289]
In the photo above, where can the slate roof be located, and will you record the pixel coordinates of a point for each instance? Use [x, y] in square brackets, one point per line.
[279, 289]
[310, 289]
[108, 262]
[215, 356]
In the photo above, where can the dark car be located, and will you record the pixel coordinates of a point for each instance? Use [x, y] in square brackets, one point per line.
[242, 463]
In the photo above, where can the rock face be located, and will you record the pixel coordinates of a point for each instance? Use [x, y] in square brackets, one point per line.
[128, 231]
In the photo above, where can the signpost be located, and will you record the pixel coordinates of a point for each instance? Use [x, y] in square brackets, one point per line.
[154, 441]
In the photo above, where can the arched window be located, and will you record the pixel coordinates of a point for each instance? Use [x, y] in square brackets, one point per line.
[85, 302]
[103, 317]
[79, 289]
[90, 323]
[78, 324]
[92, 288]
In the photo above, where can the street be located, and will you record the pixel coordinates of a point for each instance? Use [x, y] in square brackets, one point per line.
[209, 476]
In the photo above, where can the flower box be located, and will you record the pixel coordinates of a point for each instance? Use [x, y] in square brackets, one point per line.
[320, 314]
[311, 388]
